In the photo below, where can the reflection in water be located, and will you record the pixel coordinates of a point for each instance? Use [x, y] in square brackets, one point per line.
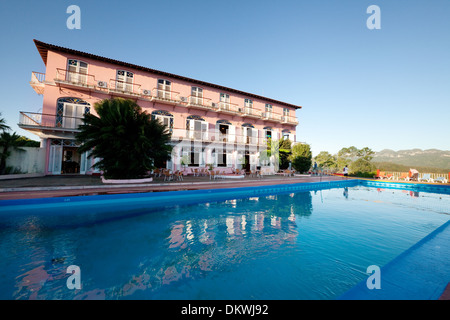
[199, 239]
[345, 193]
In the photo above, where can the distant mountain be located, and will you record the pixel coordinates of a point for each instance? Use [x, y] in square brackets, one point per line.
[430, 158]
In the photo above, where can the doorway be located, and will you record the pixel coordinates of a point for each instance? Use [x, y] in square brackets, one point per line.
[71, 160]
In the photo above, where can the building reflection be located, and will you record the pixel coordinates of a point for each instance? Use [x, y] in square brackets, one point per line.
[250, 227]
[226, 234]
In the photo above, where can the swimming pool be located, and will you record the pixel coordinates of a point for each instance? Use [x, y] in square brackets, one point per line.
[305, 241]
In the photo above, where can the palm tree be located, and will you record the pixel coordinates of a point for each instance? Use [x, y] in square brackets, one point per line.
[7, 142]
[126, 139]
[3, 126]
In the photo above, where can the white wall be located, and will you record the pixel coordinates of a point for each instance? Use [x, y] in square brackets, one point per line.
[27, 160]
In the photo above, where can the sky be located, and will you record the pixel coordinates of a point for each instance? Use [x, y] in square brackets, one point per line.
[386, 88]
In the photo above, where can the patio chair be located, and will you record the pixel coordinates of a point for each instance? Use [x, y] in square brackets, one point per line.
[426, 177]
[440, 179]
[179, 175]
[381, 175]
[195, 172]
[403, 176]
[168, 175]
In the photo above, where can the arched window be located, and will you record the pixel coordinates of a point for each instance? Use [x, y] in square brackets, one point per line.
[268, 132]
[196, 127]
[70, 111]
[249, 133]
[165, 118]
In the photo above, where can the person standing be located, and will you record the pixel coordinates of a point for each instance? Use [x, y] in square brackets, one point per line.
[345, 171]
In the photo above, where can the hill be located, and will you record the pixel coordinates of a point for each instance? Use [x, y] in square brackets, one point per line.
[427, 160]
[388, 166]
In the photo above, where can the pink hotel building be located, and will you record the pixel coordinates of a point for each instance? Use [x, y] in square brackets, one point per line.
[210, 124]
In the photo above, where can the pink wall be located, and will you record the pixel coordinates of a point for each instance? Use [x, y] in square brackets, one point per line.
[105, 72]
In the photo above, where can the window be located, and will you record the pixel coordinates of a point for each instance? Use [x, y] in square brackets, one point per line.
[285, 114]
[163, 89]
[164, 117]
[224, 101]
[248, 104]
[76, 71]
[124, 80]
[73, 114]
[197, 95]
[197, 127]
[268, 110]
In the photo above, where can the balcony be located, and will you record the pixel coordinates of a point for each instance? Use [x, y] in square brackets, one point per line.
[37, 82]
[289, 120]
[270, 116]
[199, 103]
[251, 113]
[213, 136]
[228, 108]
[123, 88]
[166, 96]
[74, 79]
[49, 125]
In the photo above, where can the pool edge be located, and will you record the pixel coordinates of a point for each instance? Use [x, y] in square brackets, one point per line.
[405, 278]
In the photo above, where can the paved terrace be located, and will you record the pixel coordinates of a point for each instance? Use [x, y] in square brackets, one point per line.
[78, 185]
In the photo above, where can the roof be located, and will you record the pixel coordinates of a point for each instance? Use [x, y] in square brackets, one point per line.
[43, 49]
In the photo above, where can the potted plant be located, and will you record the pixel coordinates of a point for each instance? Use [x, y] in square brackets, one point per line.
[184, 161]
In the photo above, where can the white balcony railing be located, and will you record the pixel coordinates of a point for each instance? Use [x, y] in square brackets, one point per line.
[214, 136]
[49, 121]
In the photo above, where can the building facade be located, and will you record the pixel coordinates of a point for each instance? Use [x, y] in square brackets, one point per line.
[210, 124]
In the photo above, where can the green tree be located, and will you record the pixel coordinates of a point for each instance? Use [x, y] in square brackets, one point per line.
[346, 156]
[284, 152]
[126, 139]
[8, 142]
[363, 164]
[326, 160]
[26, 142]
[3, 126]
[301, 157]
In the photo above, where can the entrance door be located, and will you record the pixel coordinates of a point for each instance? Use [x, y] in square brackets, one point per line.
[55, 159]
[85, 163]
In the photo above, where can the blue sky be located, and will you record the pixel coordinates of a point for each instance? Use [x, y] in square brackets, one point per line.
[387, 88]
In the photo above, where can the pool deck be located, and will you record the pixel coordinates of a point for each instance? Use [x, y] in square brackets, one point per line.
[63, 186]
[421, 272]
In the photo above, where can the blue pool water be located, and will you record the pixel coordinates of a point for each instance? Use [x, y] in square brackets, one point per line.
[293, 244]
